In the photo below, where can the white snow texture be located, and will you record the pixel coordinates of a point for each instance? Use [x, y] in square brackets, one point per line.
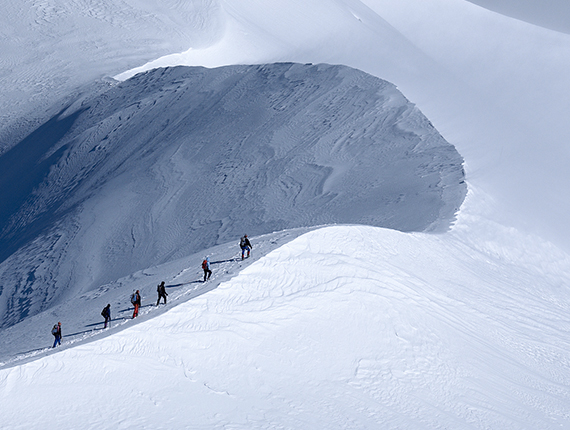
[178, 160]
[399, 279]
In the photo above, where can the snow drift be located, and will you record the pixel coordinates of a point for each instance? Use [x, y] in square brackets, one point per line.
[176, 160]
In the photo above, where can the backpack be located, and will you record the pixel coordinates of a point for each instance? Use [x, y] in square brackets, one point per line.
[103, 312]
[242, 242]
[134, 298]
[54, 330]
[205, 264]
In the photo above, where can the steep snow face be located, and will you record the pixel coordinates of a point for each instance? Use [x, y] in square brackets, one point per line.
[177, 160]
[490, 84]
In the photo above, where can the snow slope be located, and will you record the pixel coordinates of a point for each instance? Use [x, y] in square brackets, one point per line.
[490, 84]
[344, 327]
[51, 48]
[493, 86]
[81, 313]
[178, 160]
[554, 16]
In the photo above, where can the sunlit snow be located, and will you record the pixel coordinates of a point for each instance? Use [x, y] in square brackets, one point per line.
[325, 326]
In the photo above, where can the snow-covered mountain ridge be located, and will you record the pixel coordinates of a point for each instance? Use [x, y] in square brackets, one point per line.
[347, 327]
[344, 327]
[180, 159]
[82, 314]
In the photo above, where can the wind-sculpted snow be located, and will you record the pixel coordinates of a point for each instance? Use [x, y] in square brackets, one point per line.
[82, 321]
[177, 160]
[345, 327]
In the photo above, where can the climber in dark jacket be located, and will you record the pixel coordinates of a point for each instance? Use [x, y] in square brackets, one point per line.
[106, 313]
[56, 331]
[161, 290]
